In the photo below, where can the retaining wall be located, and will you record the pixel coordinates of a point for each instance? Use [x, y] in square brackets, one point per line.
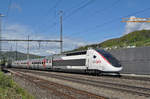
[134, 60]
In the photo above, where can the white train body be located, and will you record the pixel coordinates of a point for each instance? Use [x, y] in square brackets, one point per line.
[85, 61]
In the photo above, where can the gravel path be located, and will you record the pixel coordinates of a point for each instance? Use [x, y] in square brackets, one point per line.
[36, 91]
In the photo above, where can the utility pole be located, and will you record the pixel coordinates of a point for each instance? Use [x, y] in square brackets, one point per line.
[61, 30]
[11, 49]
[16, 51]
[28, 49]
[1, 15]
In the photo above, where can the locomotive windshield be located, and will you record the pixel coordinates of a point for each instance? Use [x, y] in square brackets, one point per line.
[109, 57]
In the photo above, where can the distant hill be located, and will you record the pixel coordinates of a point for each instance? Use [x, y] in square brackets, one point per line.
[135, 39]
[20, 56]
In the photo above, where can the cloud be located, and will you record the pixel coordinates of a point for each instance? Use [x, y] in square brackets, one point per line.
[133, 26]
[50, 52]
[43, 48]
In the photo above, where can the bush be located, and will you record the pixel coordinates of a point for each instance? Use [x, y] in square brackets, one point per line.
[10, 90]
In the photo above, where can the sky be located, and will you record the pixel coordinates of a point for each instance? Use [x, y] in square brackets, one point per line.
[84, 22]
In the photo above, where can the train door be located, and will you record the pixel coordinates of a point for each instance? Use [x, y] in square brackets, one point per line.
[48, 63]
[44, 63]
[87, 60]
[92, 60]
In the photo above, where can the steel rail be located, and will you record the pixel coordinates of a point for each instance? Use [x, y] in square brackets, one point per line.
[66, 87]
[114, 86]
[53, 90]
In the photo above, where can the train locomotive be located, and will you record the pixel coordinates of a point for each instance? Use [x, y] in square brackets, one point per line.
[88, 61]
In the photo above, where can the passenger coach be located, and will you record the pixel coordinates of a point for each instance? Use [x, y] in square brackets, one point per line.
[90, 61]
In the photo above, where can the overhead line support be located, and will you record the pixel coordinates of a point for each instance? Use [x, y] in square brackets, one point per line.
[61, 30]
[1, 15]
[30, 40]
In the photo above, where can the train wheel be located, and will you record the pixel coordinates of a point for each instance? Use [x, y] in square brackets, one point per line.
[118, 74]
[96, 73]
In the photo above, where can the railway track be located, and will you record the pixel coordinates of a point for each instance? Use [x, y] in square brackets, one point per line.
[109, 85]
[62, 91]
[136, 78]
[141, 91]
[115, 77]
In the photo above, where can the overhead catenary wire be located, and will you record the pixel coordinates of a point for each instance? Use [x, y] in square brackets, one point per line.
[107, 8]
[7, 15]
[79, 8]
[55, 5]
[82, 5]
[48, 13]
[53, 8]
[110, 7]
[135, 13]
[21, 40]
[82, 2]
[8, 11]
[114, 20]
[76, 6]
[9, 7]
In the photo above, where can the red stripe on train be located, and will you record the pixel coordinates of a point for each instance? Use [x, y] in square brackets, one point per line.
[103, 58]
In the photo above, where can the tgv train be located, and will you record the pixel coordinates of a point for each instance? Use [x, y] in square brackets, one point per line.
[89, 61]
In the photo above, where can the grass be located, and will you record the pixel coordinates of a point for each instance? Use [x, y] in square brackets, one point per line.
[10, 90]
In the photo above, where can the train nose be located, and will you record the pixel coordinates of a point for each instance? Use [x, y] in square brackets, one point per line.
[119, 69]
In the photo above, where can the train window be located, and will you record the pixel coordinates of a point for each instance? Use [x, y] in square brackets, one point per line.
[110, 58]
[76, 53]
[94, 56]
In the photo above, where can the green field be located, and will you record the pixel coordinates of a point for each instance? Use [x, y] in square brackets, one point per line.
[10, 90]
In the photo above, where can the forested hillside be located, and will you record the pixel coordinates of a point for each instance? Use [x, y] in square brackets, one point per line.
[136, 39]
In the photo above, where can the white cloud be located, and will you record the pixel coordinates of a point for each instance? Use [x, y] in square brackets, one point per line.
[50, 52]
[20, 31]
[133, 26]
